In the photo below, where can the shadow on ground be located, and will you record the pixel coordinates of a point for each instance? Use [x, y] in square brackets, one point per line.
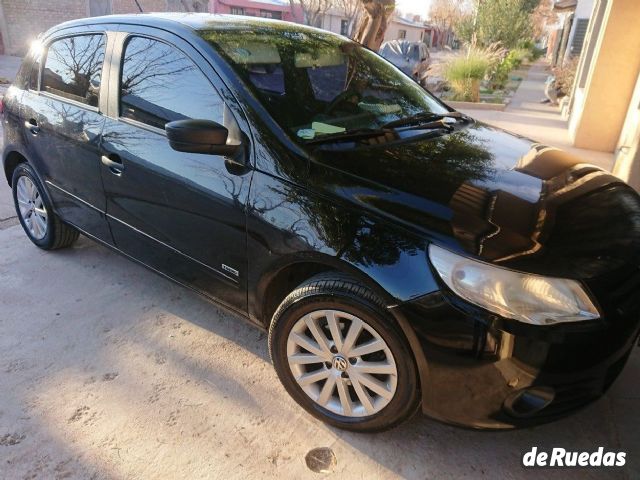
[110, 371]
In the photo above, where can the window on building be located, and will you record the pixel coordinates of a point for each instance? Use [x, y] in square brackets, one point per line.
[160, 84]
[592, 36]
[73, 68]
[271, 14]
[402, 34]
[580, 32]
[344, 27]
[237, 11]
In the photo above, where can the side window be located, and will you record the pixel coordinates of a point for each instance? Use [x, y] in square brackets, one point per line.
[159, 84]
[73, 68]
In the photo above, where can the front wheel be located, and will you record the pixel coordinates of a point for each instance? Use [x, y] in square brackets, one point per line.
[340, 355]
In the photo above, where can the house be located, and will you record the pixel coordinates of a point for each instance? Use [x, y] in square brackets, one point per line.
[334, 20]
[277, 9]
[604, 110]
[567, 35]
[401, 28]
[22, 21]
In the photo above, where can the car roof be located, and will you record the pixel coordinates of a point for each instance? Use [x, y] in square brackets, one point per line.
[193, 21]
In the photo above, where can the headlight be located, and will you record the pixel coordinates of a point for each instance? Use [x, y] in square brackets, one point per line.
[528, 298]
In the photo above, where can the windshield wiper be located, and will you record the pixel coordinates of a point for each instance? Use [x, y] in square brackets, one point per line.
[377, 132]
[349, 135]
[423, 117]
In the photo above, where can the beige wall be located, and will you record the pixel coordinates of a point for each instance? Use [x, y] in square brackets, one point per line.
[414, 34]
[627, 165]
[332, 21]
[600, 106]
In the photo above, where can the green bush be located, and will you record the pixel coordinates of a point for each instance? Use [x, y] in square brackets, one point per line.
[520, 54]
[464, 75]
[473, 66]
[509, 63]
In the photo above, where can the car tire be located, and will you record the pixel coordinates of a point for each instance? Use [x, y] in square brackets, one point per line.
[366, 381]
[43, 227]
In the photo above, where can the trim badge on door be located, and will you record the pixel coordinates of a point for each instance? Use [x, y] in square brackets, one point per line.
[230, 270]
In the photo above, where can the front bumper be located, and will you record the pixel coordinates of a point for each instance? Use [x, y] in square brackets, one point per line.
[481, 371]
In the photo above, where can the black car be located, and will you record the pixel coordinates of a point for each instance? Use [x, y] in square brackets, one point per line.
[400, 254]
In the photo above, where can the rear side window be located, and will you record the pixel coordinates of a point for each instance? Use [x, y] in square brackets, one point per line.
[73, 68]
[160, 84]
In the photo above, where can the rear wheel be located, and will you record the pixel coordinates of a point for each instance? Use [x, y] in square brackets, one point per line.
[341, 356]
[43, 227]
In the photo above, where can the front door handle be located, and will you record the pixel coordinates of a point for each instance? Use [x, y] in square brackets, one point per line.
[32, 126]
[114, 163]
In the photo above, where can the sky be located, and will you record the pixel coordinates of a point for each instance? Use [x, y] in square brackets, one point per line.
[419, 7]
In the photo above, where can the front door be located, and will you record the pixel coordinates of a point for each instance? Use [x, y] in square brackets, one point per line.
[63, 123]
[182, 214]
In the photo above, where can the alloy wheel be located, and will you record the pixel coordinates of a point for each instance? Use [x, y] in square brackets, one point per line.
[31, 208]
[342, 363]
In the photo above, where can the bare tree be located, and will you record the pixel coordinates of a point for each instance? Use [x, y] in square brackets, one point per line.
[542, 16]
[444, 14]
[313, 10]
[353, 11]
[374, 22]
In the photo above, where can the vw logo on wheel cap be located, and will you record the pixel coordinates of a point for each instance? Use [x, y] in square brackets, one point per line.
[339, 363]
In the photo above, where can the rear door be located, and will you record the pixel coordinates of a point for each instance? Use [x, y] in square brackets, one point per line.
[182, 214]
[63, 121]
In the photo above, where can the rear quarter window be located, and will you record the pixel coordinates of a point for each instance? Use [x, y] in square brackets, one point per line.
[73, 68]
[23, 77]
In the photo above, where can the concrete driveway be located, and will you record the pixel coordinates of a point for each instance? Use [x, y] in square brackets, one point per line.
[108, 370]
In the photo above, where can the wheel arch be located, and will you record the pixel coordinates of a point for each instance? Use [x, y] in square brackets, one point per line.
[12, 159]
[275, 285]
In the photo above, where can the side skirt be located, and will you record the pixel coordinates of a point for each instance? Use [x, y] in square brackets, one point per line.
[213, 300]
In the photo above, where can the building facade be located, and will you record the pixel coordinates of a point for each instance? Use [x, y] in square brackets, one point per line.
[277, 9]
[604, 113]
[400, 28]
[21, 21]
[567, 36]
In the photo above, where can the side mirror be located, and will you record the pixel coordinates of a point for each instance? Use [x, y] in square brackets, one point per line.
[200, 136]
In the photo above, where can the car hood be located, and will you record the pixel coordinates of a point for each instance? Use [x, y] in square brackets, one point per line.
[495, 196]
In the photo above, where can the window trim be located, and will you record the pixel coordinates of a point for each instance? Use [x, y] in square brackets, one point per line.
[45, 53]
[123, 49]
[70, 101]
[36, 60]
[145, 126]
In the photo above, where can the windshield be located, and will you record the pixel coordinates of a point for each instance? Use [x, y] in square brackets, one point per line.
[316, 84]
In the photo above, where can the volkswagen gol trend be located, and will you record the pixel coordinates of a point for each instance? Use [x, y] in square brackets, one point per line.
[400, 254]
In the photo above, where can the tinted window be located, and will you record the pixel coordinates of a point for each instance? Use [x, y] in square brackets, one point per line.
[160, 84]
[73, 68]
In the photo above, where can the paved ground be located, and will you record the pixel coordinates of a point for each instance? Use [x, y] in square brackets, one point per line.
[8, 68]
[109, 371]
[526, 116]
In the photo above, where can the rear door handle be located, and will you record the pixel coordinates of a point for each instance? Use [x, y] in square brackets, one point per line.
[114, 163]
[32, 126]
